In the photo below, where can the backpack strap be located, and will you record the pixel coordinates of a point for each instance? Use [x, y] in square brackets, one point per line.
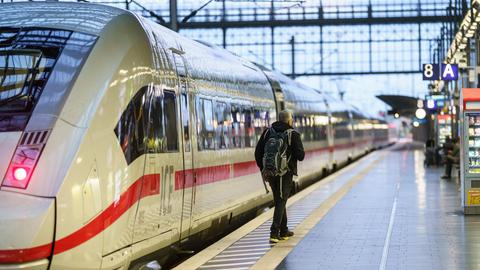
[289, 135]
[268, 130]
[272, 130]
[289, 140]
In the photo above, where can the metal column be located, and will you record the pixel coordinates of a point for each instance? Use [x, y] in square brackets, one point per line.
[173, 15]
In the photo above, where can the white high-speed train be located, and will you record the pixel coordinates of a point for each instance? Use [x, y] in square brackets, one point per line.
[122, 141]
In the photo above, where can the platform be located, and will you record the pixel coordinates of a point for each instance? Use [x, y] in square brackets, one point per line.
[385, 211]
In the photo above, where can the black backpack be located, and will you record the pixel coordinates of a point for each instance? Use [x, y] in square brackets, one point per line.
[275, 160]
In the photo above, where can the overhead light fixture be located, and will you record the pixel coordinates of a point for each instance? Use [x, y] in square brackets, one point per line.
[468, 17]
[477, 17]
[471, 30]
[474, 26]
[420, 113]
[458, 37]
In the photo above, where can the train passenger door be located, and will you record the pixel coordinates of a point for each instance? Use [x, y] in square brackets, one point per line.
[185, 178]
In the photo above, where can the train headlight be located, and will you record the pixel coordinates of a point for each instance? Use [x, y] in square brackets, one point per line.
[21, 167]
[20, 174]
[25, 159]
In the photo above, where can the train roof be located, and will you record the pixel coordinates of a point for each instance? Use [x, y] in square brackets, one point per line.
[309, 99]
[80, 17]
[221, 71]
[207, 64]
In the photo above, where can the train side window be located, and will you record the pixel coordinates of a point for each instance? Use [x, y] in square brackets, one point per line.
[130, 129]
[200, 122]
[227, 127]
[298, 125]
[237, 132]
[310, 128]
[209, 127]
[267, 118]
[185, 121]
[154, 108]
[306, 128]
[221, 133]
[319, 128]
[258, 123]
[249, 128]
[341, 128]
[205, 127]
[170, 120]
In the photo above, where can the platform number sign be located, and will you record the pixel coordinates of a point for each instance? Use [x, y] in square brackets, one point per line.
[449, 72]
[445, 72]
[430, 72]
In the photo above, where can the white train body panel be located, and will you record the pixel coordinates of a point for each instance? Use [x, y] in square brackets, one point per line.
[143, 139]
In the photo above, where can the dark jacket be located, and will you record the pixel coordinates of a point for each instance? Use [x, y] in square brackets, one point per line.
[294, 151]
[447, 146]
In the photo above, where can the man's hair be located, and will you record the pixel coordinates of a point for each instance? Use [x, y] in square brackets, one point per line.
[284, 116]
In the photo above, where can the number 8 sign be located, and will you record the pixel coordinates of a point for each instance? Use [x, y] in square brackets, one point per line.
[431, 72]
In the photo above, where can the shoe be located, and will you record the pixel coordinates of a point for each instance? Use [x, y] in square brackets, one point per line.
[274, 239]
[286, 235]
[445, 177]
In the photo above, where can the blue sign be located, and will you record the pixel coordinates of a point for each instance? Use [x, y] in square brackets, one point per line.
[445, 72]
[432, 102]
[449, 72]
[430, 72]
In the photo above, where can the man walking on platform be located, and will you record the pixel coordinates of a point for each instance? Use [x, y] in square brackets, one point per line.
[277, 152]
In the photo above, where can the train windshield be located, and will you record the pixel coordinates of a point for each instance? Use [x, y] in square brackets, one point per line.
[27, 59]
[21, 72]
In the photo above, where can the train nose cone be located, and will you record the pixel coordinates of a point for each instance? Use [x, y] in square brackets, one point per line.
[26, 222]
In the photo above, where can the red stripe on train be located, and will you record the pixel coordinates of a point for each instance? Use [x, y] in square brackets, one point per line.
[26, 254]
[208, 175]
[244, 168]
[205, 175]
[138, 190]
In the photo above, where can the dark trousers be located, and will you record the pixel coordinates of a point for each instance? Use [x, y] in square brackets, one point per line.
[281, 187]
[450, 160]
[448, 167]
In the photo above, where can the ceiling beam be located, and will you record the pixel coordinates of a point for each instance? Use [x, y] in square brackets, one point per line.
[316, 22]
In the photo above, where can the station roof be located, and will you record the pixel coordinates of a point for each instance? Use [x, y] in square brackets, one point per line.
[404, 105]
